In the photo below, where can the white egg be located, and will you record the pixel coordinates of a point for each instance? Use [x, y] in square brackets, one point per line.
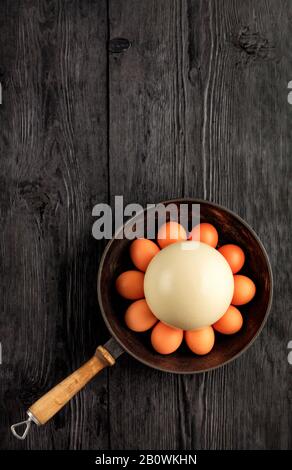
[188, 285]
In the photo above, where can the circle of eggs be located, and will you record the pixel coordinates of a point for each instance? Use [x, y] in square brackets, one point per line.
[185, 289]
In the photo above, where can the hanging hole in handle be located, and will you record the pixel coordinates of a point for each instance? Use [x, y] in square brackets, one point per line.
[26, 423]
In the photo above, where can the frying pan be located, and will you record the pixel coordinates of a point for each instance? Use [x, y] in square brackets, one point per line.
[115, 259]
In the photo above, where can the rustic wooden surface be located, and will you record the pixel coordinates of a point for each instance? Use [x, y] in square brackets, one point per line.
[196, 107]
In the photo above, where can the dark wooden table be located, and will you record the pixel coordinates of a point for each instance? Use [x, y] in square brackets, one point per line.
[196, 107]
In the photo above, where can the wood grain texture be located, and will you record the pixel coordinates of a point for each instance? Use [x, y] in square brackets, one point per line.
[54, 168]
[146, 165]
[196, 107]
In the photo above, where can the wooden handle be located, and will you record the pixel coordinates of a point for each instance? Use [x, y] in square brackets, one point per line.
[48, 405]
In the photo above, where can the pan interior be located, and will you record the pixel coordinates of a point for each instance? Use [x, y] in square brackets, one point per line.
[231, 229]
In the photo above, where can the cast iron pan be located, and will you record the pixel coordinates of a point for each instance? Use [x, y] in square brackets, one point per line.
[115, 260]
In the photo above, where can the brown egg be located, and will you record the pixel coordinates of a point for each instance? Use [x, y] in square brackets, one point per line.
[142, 251]
[130, 285]
[244, 290]
[230, 323]
[165, 339]
[205, 233]
[234, 256]
[138, 316]
[200, 341]
[169, 233]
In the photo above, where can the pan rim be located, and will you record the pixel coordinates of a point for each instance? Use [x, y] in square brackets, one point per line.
[247, 346]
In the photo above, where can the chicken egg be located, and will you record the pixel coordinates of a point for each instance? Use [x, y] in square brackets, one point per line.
[166, 339]
[142, 251]
[234, 255]
[200, 341]
[205, 233]
[130, 285]
[244, 290]
[230, 322]
[138, 316]
[169, 233]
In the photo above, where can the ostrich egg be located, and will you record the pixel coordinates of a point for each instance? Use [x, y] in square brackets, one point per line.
[188, 285]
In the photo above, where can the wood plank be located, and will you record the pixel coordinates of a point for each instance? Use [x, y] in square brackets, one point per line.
[54, 168]
[146, 151]
[198, 107]
[245, 148]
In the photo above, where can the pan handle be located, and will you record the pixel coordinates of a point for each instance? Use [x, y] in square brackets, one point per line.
[52, 402]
